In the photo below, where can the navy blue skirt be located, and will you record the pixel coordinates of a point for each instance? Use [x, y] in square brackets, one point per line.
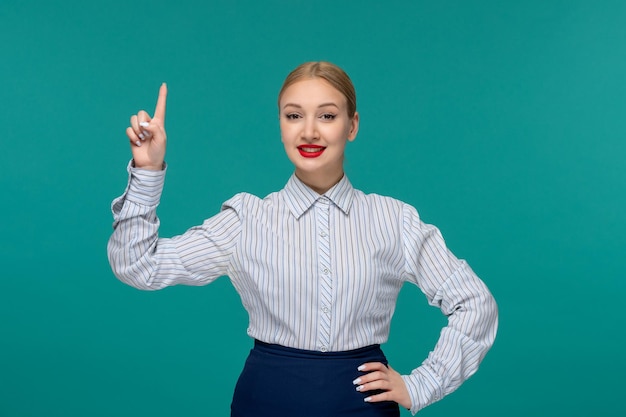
[279, 381]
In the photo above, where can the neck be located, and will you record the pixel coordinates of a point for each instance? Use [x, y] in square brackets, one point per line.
[319, 183]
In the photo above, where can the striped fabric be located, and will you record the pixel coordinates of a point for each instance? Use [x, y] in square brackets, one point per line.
[325, 275]
[315, 272]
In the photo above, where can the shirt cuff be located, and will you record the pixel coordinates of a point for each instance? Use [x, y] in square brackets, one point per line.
[424, 388]
[145, 186]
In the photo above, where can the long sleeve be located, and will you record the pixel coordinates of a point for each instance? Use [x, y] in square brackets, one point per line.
[452, 286]
[141, 259]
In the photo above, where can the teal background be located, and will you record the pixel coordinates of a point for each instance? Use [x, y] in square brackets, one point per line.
[502, 122]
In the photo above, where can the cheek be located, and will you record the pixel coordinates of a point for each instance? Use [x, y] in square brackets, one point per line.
[287, 132]
[338, 134]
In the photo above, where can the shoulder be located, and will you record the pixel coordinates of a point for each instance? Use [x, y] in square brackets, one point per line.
[378, 201]
[388, 210]
[249, 203]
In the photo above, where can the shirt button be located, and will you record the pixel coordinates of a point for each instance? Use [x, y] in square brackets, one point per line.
[325, 270]
[325, 309]
[324, 348]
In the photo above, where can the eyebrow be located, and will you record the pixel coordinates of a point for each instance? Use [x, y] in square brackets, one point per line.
[320, 106]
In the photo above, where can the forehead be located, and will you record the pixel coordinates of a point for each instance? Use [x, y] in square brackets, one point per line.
[312, 91]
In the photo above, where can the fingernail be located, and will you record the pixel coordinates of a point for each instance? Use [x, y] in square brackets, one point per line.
[144, 124]
[357, 381]
[359, 388]
[368, 399]
[146, 134]
[361, 368]
[138, 143]
[141, 136]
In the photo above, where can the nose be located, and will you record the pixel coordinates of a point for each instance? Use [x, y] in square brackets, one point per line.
[309, 131]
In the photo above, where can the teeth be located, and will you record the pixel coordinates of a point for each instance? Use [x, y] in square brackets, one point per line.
[311, 149]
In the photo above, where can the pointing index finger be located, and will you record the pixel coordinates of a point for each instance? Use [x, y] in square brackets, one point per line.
[159, 111]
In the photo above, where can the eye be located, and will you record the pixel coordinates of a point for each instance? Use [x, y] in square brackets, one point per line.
[328, 116]
[292, 116]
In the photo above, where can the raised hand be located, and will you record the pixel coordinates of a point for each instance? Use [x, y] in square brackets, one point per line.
[385, 378]
[147, 135]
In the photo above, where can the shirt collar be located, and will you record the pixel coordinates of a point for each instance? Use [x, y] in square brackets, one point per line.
[299, 197]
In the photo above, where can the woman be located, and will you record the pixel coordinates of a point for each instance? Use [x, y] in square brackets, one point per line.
[318, 266]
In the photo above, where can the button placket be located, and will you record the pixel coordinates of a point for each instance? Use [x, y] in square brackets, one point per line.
[325, 281]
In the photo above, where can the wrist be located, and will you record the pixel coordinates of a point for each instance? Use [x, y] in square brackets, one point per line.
[148, 167]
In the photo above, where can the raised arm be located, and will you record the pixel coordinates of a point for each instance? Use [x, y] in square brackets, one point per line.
[137, 255]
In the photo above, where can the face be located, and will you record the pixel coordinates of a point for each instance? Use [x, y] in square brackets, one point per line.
[315, 128]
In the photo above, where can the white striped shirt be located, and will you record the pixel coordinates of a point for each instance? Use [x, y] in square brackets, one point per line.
[315, 272]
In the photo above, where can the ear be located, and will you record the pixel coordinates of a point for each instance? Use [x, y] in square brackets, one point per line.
[354, 127]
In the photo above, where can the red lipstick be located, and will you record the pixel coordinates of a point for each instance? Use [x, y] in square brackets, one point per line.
[311, 151]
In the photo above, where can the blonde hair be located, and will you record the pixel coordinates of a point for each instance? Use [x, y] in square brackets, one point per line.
[327, 71]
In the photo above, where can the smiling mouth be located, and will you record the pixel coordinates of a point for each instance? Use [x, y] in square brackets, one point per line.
[309, 151]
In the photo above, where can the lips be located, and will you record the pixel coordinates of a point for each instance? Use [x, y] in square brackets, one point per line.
[311, 151]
